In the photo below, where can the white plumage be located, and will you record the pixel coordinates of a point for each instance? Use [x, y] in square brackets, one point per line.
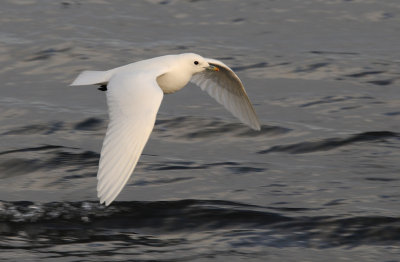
[134, 95]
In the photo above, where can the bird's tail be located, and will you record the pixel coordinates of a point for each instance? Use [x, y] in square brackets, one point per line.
[92, 78]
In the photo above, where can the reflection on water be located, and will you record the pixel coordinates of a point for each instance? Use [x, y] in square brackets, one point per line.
[320, 180]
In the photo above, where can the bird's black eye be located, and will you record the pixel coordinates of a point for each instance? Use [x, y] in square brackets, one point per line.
[196, 62]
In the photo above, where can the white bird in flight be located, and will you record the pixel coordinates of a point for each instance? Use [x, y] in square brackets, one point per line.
[134, 94]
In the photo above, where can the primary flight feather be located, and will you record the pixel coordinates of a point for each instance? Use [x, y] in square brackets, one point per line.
[134, 95]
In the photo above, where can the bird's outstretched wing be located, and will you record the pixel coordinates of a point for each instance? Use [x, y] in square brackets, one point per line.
[225, 87]
[133, 100]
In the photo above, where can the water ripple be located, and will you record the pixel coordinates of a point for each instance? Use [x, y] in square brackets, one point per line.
[331, 143]
[239, 224]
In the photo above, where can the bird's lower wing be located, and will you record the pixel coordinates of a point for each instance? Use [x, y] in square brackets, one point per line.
[225, 87]
[133, 101]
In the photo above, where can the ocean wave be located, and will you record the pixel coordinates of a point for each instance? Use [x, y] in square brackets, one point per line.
[241, 221]
[332, 143]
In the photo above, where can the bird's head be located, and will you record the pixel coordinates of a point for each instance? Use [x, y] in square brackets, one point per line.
[197, 63]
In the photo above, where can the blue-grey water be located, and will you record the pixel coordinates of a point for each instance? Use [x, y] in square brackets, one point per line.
[319, 182]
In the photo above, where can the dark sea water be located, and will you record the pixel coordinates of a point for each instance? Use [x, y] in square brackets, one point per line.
[319, 182]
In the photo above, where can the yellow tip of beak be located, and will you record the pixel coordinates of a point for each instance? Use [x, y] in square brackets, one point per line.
[212, 68]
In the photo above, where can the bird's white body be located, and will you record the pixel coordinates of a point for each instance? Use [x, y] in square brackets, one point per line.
[167, 69]
[134, 94]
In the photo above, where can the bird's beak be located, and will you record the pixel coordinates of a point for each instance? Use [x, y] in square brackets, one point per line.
[212, 68]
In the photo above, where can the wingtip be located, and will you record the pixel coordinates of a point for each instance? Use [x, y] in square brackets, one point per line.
[255, 125]
[102, 199]
[105, 201]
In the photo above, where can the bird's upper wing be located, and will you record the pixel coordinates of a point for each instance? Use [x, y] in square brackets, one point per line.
[133, 100]
[225, 87]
